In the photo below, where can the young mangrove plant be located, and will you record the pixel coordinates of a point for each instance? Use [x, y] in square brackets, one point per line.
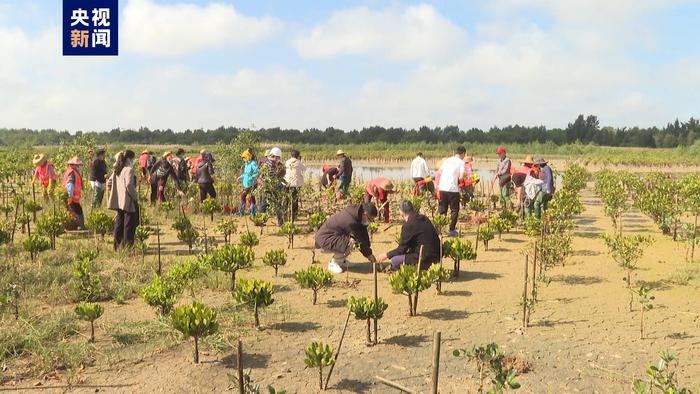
[289, 229]
[100, 223]
[440, 220]
[661, 377]
[372, 229]
[226, 227]
[35, 244]
[458, 250]
[409, 281]
[255, 294]
[318, 356]
[275, 258]
[86, 280]
[489, 361]
[365, 308]
[230, 259]
[626, 250]
[499, 225]
[316, 220]
[196, 321]
[485, 235]
[210, 206]
[646, 304]
[249, 239]
[89, 311]
[314, 278]
[160, 294]
[260, 220]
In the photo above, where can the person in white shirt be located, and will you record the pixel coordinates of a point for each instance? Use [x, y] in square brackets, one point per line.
[294, 177]
[451, 171]
[420, 172]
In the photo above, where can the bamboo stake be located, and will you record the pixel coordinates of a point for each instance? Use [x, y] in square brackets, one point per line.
[395, 385]
[239, 359]
[525, 294]
[534, 272]
[158, 237]
[436, 361]
[337, 352]
[415, 296]
[376, 299]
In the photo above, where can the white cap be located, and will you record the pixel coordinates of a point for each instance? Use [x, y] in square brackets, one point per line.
[276, 152]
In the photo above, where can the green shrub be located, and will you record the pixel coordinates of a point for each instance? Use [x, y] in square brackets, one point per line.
[89, 312]
[275, 258]
[255, 294]
[314, 278]
[196, 321]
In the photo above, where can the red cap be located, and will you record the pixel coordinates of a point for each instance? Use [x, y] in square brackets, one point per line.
[501, 150]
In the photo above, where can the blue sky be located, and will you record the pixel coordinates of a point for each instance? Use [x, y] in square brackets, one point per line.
[201, 63]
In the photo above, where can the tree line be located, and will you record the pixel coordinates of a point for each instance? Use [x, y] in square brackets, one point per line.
[584, 129]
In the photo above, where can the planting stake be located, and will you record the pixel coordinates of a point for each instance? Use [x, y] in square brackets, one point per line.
[436, 360]
[158, 238]
[376, 297]
[525, 294]
[415, 296]
[695, 232]
[239, 359]
[337, 352]
[395, 385]
[534, 272]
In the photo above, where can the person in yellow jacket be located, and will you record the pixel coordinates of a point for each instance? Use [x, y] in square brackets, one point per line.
[73, 183]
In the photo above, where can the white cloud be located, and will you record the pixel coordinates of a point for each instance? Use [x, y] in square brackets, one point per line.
[416, 32]
[179, 29]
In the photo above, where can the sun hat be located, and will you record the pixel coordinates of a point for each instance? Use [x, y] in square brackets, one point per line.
[276, 152]
[386, 184]
[468, 159]
[528, 160]
[75, 160]
[145, 152]
[167, 154]
[540, 161]
[339, 152]
[246, 155]
[100, 151]
[39, 159]
[501, 150]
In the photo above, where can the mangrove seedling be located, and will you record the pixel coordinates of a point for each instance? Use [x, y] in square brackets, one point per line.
[210, 206]
[440, 220]
[662, 377]
[372, 229]
[188, 235]
[255, 294]
[532, 226]
[318, 356]
[365, 308]
[316, 220]
[35, 244]
[196, 321]
[499, 225]
[626, 250]
[260, 220]
[87, 254]
[489, 361]
[231, 258]
[181, 223]
[458, 250]
[226, 227]
[86, 281]
[275, 258]
[289, 229]
[160, 294]
[89, 311]
[314, 278]
[407, 281]
[249, 239]
[100, 223]
[485, 235]
[646, 303]
[477, 206]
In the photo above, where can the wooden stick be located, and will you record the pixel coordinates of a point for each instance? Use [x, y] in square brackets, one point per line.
[376, 300]
[525, 294]
[158, 237]
[415, 296]
[239, 359]
[395, 385]
[534, 272]
[436, 360]
[337, 351]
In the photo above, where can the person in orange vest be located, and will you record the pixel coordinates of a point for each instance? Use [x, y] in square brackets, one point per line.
[193, 161]
[73, 183]
[379, 189]
[44, 173]
[143, 164]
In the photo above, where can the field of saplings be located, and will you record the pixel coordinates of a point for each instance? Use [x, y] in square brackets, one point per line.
[599, 295]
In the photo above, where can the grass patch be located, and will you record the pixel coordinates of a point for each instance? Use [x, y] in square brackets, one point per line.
[684, 275]
[156, 333]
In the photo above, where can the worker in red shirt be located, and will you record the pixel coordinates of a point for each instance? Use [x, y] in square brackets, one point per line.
[379, 190]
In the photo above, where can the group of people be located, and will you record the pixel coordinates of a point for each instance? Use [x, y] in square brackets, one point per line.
[199, 169]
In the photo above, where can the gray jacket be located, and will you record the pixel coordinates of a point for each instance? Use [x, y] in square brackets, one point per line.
[122, 193]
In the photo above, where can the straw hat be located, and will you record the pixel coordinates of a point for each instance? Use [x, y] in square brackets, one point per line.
[39, 159]
[528, 160]
[339, 152]
[468, 159]
[386, 184]
[145, 152]
[167, 154]
[246, 155]
[75, 160]
[540, 161]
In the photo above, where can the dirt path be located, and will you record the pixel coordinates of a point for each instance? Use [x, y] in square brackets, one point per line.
[582, 339]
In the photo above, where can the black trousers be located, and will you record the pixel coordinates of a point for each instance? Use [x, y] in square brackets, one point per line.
[450, 199]
[125, 227]
[206, 190]
[294, 196]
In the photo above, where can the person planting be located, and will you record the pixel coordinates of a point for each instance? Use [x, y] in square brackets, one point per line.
[294, 177]
[416, 232]
[548, 186]
[271, 184]
[330, 174]
[420, 173]
[205, 177]
[344, 174]
[466, 184]
[451, 171]
[45, 173]
[533, 195]
[160, 172]
[379, 190]
[338, 232]
[249, 178]
[98, 174]
[179, 163]
[124, 199]
[503, 175]
[73, 183]
[144, 159]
